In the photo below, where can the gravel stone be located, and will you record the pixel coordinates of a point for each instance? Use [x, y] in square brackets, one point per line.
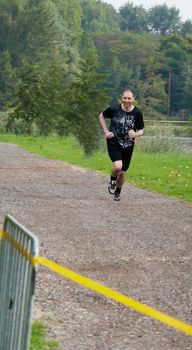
[141, 247]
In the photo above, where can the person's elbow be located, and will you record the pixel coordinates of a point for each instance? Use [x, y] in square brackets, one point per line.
[101, 117]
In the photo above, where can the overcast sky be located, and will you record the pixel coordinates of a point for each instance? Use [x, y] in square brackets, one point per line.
[185, 9]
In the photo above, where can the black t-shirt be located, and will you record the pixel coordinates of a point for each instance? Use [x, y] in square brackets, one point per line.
[122, 122]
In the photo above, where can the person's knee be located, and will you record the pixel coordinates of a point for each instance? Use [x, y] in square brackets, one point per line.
[118, 166]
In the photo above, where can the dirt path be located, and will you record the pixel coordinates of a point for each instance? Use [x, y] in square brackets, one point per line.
[141, 246]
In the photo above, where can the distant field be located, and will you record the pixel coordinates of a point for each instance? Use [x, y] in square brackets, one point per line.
[166, 173]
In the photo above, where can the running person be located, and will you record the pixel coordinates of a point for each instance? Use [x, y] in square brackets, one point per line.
[126, 124]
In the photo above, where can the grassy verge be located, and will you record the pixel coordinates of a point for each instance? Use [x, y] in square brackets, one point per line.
[39, 339]
[167, 173]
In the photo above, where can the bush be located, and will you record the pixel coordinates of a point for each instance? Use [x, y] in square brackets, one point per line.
[4, 115]
[160, 138]
[158, 144]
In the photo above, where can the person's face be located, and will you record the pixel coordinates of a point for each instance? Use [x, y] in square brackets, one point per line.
[127, 98]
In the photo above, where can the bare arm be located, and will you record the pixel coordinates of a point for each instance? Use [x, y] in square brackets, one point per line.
[133, 134]
[108, 134]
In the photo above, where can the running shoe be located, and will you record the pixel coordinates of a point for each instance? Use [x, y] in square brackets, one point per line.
[111, 186]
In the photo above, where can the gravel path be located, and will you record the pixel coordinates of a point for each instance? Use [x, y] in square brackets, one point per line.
[141, 246]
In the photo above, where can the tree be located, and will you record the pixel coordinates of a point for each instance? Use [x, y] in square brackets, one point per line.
[10, 30]
[71, 14]
[99, 17]
[86, 97]
[45, 35]
[128, 58]
[7, 78]
[186, 28]
[35, 32]
[25, 103]
[39, 99]
[154, 99]
[163, 19]
[133, 18]
[176, 60]
[70, 20]
[188, 91]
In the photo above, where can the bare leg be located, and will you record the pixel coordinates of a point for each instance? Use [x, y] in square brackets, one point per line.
[117, 166]
[120, 179]
[119, 173]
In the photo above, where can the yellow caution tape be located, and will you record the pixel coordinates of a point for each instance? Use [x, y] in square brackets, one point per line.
[110, 293]
[19, 247]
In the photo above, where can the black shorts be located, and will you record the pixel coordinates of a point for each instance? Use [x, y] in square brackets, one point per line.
[116, 152]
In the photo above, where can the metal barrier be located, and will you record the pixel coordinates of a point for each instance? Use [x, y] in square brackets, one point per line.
[19, 248]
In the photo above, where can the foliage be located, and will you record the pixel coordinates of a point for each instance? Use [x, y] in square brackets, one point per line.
[132, 61]
[31, 101]
[186, 28]
[36, 99]
[177, 52]
[10, 29]
[99, 17]
[86, 97]
[163, 19]
[42, 29]
[162, 137]
[7, 78]
[154, 100]
[45, 100]
[158, 144]
[133, 18]
[48, 53]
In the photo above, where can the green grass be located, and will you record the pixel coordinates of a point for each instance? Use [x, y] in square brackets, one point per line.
[39, 339]
[167, 173]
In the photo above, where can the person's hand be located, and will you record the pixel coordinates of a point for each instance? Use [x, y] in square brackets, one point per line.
[109, 135]
[132, 134]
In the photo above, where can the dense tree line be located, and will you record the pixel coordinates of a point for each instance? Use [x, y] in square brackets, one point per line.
[64, 60]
